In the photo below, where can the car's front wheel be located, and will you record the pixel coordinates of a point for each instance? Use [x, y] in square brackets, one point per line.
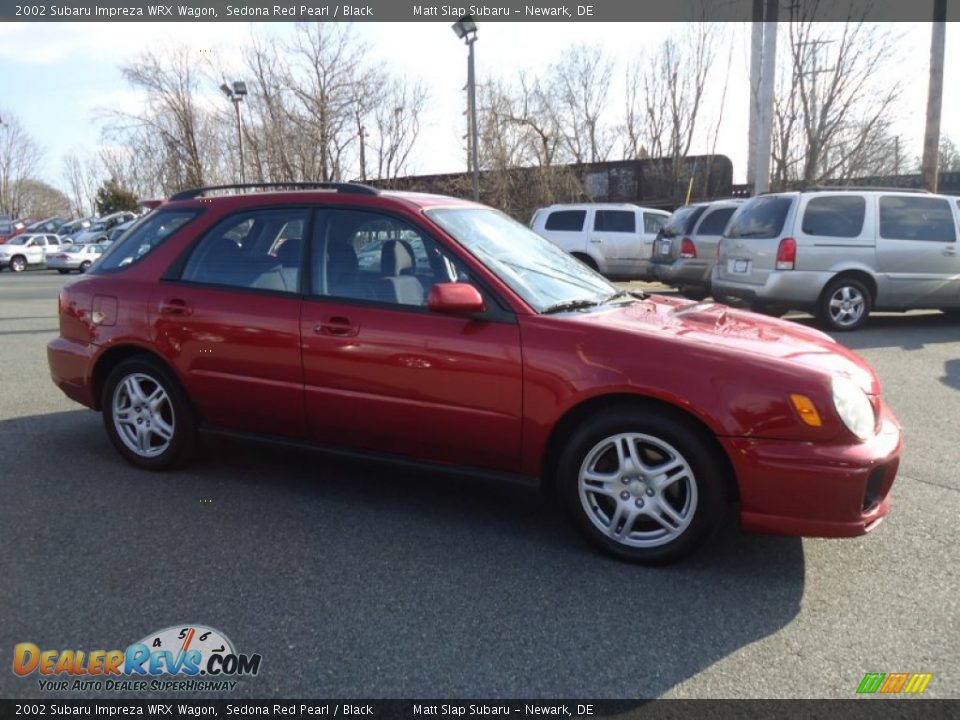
[147, 415]
[18, 263]
[84, 266]
[643, 486]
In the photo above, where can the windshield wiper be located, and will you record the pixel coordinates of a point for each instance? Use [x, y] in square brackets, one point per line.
[570, 305]
[635, 294]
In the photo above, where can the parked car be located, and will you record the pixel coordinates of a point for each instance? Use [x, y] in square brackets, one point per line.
[615, 239]
[250, 314]
[75, 226]
[118, 230]
[842, 252]
[6, 228]
[685, 250]
[24, 250]
[50, 225]
[75, 257]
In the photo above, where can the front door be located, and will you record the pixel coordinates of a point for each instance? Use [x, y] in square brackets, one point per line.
[620, 238]
[384, 373]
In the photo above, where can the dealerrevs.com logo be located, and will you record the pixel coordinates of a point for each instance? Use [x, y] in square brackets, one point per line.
[192, 657]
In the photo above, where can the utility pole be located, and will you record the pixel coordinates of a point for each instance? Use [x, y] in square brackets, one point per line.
[756, 57]
[765, 125]
[931, 135]
[814, 154]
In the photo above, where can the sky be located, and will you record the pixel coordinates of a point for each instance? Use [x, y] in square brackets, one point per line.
[57, 77]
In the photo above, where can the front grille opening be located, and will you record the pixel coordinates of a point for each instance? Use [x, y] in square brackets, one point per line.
[871, 498]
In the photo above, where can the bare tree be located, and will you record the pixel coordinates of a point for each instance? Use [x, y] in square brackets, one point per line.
[396, 124]
[82, 175]
[576, 100]
[834, 102]
[20, 158]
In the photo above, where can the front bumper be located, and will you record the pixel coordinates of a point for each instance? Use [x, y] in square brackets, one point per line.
[797, 488]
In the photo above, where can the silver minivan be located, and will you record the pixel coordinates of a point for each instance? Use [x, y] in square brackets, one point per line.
[842, 252]
[686, 248]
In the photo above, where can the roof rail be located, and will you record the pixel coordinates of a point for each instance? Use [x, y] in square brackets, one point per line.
[861, 188]
[355, 188]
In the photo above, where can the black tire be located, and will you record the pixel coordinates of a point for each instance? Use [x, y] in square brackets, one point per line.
[63, 272]
[84, 266]
[586, 260]
[693, 292]
[769, 309]
[951, 312]
[844, 305]
[18, 263]
[651, 432]
[177, 413]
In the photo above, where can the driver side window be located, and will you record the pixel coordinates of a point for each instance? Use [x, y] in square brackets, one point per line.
[368, 256]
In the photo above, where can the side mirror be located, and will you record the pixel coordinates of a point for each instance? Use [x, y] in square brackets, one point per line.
[455, 299]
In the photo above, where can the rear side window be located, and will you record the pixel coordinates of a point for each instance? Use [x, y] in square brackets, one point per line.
[716, 222]
[917, 218]
[566, 220]
[760, 217]
[257, 250]
[144, 237]
[623, 221]
[652, 223]
[683, 220]
[835, 216]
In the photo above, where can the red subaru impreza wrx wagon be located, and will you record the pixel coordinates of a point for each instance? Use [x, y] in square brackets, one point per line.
[429, 329]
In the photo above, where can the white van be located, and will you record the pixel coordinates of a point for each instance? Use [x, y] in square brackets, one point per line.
[615, 239]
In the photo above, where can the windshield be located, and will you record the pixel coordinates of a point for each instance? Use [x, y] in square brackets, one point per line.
[542, 274]
[19, 240]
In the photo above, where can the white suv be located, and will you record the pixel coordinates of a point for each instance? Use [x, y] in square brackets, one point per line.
[616, 239]
[23, 250]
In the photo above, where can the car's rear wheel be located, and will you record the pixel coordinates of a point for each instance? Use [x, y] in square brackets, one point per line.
[84, 266]
[641, 485]
[147, 415]
[694, 292]
[18, 263]
[845, 304]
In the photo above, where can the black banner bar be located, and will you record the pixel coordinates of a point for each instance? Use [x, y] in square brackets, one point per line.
[497, 11]
[859, 709]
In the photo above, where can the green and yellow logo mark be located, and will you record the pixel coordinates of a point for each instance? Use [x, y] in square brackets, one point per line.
[894, 683]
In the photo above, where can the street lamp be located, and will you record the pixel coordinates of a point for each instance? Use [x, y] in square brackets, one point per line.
[466, 30]
[235, 95]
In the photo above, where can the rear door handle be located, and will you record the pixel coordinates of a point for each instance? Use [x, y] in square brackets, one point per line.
[949, 250]
[175, 306]
[338, 326]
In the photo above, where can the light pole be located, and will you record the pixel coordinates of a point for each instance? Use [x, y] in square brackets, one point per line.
[235, 95]
[466, 30]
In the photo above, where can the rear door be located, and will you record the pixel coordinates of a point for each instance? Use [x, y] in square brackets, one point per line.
[617, 233]
[564, 228]
[917, 249]
[652, 225]
[229, 319]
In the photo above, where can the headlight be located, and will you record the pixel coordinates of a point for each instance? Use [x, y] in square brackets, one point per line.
[854, 408]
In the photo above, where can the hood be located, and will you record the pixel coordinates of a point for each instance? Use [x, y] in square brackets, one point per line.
[720, 326]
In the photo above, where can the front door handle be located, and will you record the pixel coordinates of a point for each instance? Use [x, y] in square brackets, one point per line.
[950, 250]
[175, 306]
[338, 326]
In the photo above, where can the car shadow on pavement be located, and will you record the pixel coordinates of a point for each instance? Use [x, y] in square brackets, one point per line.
[912, 331]
[951, 377]
[355, 579]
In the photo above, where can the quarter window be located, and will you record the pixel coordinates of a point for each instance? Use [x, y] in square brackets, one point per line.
[259, 250]
[566, 220]
[653, 223]
[154, 229]
[835, 216]
[624, 221]
[916, 218]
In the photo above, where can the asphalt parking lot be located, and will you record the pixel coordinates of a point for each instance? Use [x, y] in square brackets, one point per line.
[355, 580]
